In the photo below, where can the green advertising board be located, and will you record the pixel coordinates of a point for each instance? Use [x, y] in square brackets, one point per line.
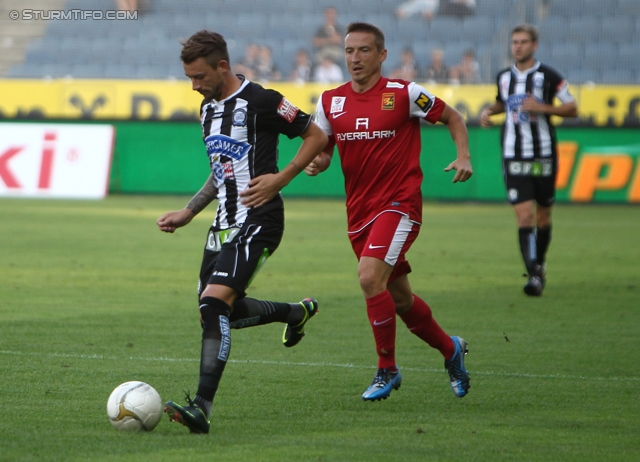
[596, 164]
[599, 165]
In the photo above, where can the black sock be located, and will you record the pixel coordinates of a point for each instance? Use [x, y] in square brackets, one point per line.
[249, 312]
[216, 344]
[543, 238]
[528, 249]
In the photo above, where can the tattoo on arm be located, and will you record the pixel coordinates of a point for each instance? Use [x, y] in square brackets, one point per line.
[204, 197]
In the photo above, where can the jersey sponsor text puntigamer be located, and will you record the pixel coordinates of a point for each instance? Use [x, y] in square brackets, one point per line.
[241, 138]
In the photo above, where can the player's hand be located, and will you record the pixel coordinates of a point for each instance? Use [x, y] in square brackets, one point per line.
[318, 165]
[171, 221]
[463, 169]
[531, 104]
[485, 118]
[261, 190]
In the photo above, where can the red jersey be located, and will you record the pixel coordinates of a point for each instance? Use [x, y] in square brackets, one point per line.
[378, 138]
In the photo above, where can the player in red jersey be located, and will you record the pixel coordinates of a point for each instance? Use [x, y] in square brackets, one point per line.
[375, 123]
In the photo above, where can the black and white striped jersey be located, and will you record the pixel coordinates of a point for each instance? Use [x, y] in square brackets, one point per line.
[528, 135]
[241, 136]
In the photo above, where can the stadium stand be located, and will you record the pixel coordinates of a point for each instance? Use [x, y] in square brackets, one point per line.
[149, 46]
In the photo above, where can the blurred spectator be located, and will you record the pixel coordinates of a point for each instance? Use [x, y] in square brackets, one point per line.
[328, 72]
[429, 8]
[302, 67]
[437, 72]
[266, 68]
[467, 71]
[248, 65]
[127, 5]
[407, 69]
[328, 40]
[426, 8]
[459, 8]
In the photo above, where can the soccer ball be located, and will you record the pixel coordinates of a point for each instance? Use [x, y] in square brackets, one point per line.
[134, 406]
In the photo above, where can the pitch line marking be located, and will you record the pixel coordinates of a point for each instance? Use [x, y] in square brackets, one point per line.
[323, 364]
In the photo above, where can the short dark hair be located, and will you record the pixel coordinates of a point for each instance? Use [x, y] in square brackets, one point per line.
[205, 44]
[368, 28]
[529, 29]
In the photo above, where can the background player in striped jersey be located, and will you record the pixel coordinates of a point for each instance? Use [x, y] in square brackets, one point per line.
[241, 124]
[375, 123]
[526, 92]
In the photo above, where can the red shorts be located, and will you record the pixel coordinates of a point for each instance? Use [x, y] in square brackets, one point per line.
[388, 238]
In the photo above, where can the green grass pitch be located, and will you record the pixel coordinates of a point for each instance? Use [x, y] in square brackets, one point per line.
[92, 295]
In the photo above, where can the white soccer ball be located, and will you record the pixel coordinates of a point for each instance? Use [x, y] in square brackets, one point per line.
[134, 406]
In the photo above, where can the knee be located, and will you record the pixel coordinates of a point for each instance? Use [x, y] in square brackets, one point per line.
[526, 219]
[543, 220]
[370, 282]
[211, 308]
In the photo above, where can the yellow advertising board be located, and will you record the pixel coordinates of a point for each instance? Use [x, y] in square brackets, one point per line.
[610, 105]
[174, 100]
[98, 99]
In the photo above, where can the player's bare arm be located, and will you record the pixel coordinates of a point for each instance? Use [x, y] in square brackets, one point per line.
[264, 188]
[320, 163]
[485, 115]
[530, 104]
[171, 221]
[458, 130]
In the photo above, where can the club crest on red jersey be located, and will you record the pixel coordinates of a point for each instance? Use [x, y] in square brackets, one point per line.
[388, 101]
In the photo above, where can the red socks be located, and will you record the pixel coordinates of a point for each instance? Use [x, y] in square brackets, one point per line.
[382, 316]
[420, 322]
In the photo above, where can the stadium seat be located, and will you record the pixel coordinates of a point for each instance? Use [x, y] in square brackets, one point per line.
[580, 76]
[283, 26]
[412, 28]
[445, 28]
[379, 19]
[119, 71]
[370, 5]
[150, 46]
[21, 71]
[60, 29]
[421, 50]
[41, 55]
[618, 28]
[478, 29]
[596, 8]
[567, 9]
[600, 55]
[628, 56]
[257, 23]
[491, 61]
[583, 28]
[627, 7]
[554, 28]
[85, 5]
[566, 55]
[617, 76]
[159, 72]
[453, 51]
[495, 8]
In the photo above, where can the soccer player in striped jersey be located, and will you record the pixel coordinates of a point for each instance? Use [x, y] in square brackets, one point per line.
[526, 93]
[241, 124]
[375, 123]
